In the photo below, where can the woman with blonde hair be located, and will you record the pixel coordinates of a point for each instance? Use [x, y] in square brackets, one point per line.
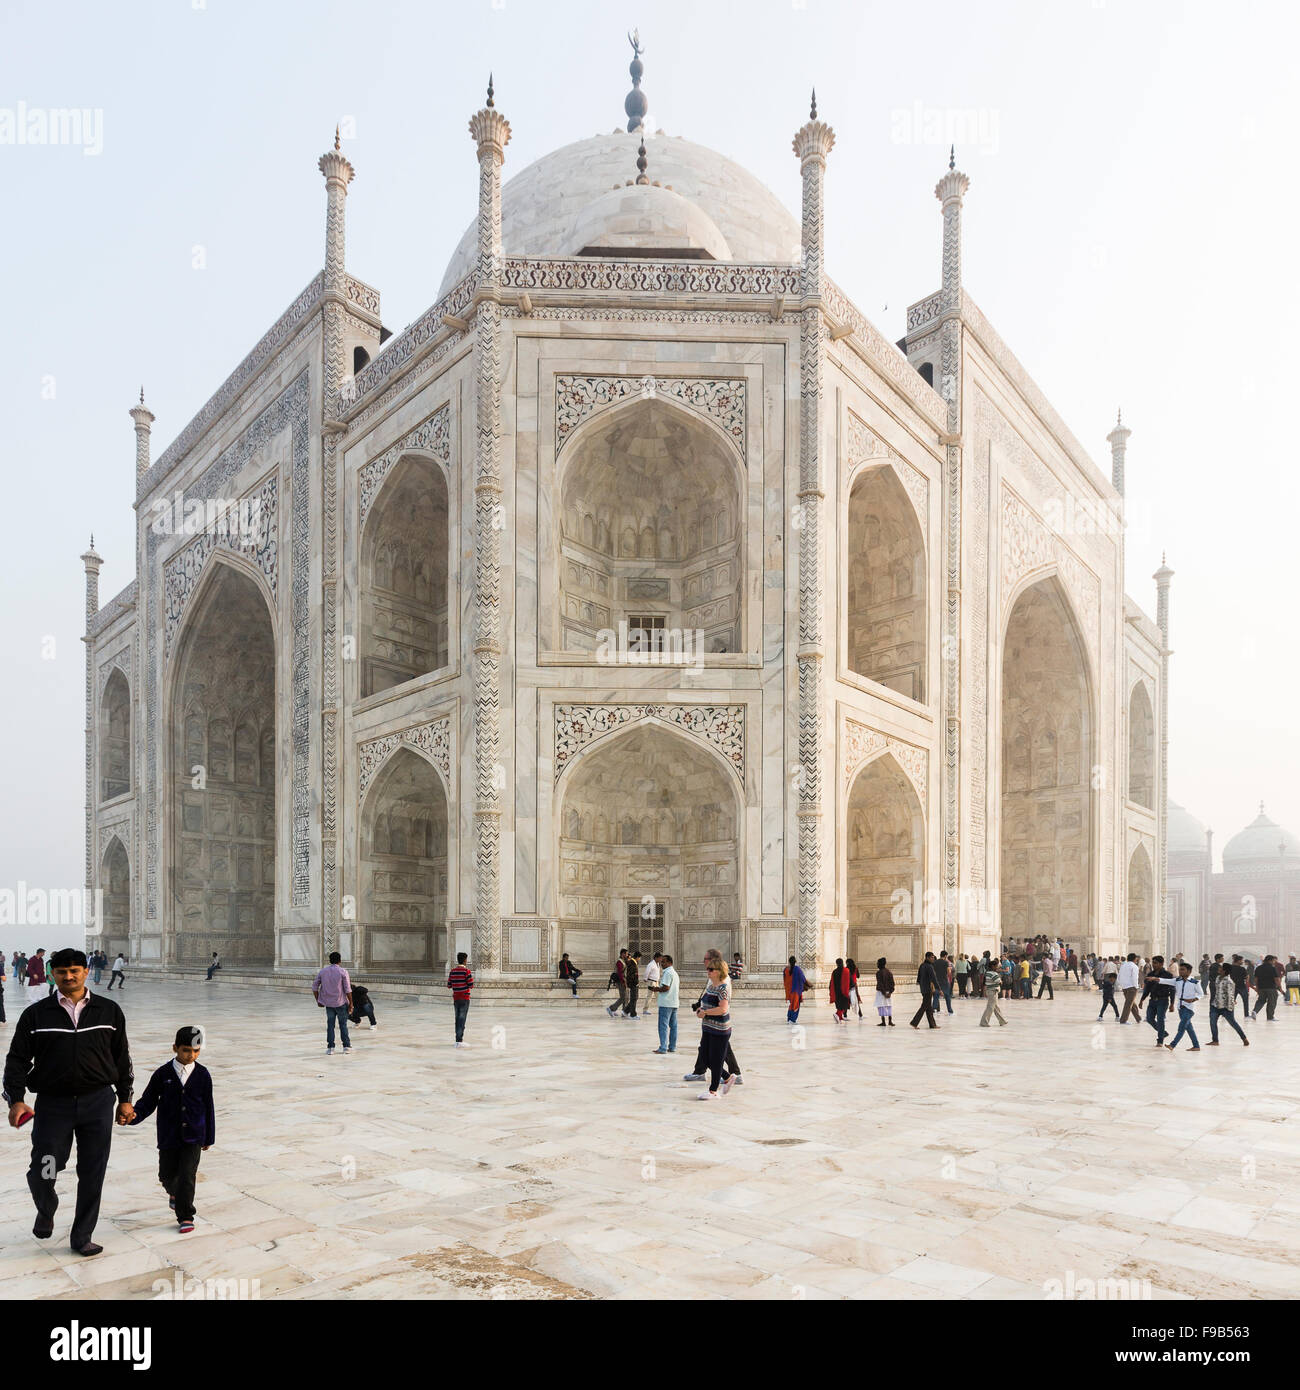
[712, 958]
[714, 1013]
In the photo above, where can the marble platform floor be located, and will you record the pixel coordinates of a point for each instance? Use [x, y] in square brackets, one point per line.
[557, 1158]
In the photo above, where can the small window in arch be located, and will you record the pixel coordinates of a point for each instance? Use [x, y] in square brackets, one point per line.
[927, 373]
[360, 357]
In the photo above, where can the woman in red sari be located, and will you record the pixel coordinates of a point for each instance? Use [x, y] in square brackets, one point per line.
[840, 986]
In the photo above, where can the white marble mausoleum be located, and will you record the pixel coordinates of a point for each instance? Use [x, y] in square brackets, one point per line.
[641, 591]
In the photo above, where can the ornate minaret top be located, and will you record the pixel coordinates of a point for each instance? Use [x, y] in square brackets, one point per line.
[636, 104]
[812, 143]
[92, 561]
[1162, 577]
[491, 132]
[950, 190]
[338, 174]
[1118, 439]
[143, 418]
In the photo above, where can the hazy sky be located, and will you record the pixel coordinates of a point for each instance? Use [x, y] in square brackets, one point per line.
[1129, 226]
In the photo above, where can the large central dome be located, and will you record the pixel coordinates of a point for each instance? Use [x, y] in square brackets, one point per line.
[541, 205]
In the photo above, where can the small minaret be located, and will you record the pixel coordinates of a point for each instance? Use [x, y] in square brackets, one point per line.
[338, 174]
[1162, 577]
[812, 143]
[143, 418]
[491, 132]
[91, 561]
[950, 191]
[1118, 440]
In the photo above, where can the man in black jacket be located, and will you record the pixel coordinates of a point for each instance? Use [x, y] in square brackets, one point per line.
[1162, 995]
[928, 981]
[633, 964]
[1266, 987]
[71, 1049]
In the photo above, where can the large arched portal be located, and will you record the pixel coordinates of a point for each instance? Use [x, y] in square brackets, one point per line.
[115, 882]
[886, 585]
[1047, 738]
[649, 854]
[885, 831]
[223, 776]
[402, 617]
[1141, 748]
[651, 532]
[404, 866]
[115, 738]
[1141, 903]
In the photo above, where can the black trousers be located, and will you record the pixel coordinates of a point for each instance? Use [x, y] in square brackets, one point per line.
[59, 1120]
[926, 1011]
[117, 975]
[714, 1048]
[1045, 983]
[630, 1007]
[702, 1060]
[962, 982]
[177, 1171]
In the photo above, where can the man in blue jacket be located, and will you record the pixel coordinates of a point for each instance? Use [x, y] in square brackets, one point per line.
[181, 1092]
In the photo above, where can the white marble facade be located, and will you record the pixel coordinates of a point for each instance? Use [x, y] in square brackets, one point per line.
[906, 702]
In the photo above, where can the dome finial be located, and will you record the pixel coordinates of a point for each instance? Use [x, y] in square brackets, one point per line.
[812, 114]
[491, 92]
[336, 137]
[641, 161]
[636, 104]
[952, 156]
[1261, 804]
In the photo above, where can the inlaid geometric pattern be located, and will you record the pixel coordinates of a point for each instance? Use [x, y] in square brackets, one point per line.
[579, 397]
[720, 726]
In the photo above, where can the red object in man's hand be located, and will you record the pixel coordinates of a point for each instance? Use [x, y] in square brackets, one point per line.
[22, 1119]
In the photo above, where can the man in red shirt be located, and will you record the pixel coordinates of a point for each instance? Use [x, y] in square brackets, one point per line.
[460, 981]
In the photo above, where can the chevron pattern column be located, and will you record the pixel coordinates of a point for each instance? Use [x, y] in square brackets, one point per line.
[812, 144]
[338, 174]
[950, 190]
[491, 132]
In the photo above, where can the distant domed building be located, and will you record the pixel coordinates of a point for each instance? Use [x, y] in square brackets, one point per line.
[639, 592]
[1251, 907]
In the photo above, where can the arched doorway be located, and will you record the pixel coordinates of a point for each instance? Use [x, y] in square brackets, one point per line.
[223, 775]
[1141, 903]
[651, 531]
[886, 584]
[404, 866]
[649, 849]
[115, 738]
[1047, 760]
[402, 618]
[1141, 748]
[885, 834]
[115, 882]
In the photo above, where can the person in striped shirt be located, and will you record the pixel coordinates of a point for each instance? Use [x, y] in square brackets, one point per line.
[460, 981]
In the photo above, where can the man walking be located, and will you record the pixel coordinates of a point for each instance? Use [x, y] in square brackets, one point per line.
[928, 983]
[1266, 987]
[460, 981]
[72, 1051]
[36, 990]
[119, 965]
[1045, 981]
[652, 972]
[1221, 1004]
[1240, 985]
[943, 974]
[991, 1009]
[332, 988]
[633, 983]
[961, 969]
[665, 991]
[618, 977]
[1161, 995]
[1128, 983]
[1186, 991]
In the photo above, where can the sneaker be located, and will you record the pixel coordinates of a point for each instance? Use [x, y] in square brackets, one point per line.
[707, 1095]
[171, 1202]
[612, 1010]
[373, 1026]
[185, 1227]
[693, 1076]
[329, 1052]
[729, 1083]
[462, 1044]
[346, 1050]
[660, 1052]
[738, 1079]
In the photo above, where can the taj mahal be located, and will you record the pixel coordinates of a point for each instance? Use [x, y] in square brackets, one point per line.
[640, 592]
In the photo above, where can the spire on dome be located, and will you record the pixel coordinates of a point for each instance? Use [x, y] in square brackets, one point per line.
[336, 137]
[635, 103]
[641, 162]
[491, 92]
[812, 114]
[952, 156]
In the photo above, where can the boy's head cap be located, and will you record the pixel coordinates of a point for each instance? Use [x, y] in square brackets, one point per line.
[189, 1036]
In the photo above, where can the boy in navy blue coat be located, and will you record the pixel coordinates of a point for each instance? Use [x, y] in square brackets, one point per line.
[181, 1092]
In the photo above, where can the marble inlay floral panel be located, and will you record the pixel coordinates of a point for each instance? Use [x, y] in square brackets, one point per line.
[432, 437]
[861, 744]
[579, 397]
[432, 739]
[720, 726]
